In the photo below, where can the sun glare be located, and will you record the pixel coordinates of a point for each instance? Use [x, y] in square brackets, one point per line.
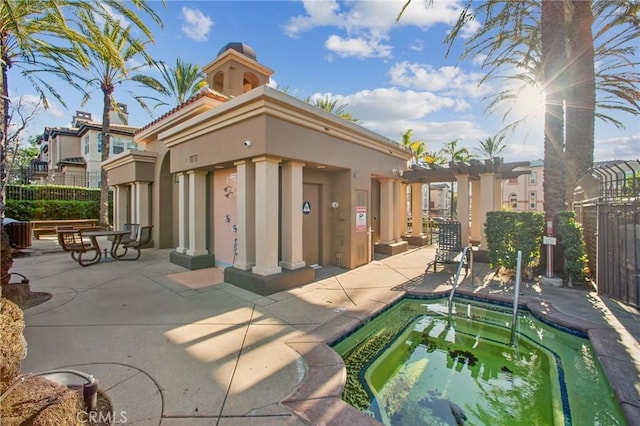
[530, 102]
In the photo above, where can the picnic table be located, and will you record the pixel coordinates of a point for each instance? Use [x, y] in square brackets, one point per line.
[115, 242]
[73, 240]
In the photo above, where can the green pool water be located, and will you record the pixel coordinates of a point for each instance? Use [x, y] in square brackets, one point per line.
[414, 365]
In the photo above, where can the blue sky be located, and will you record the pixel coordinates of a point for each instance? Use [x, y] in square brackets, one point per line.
[393, 77]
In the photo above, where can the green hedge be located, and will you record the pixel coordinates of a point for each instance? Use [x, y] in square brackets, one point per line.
[509, 232]
[51, 210]
[573, 247]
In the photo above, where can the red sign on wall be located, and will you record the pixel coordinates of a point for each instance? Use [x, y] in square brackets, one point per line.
[361, 219]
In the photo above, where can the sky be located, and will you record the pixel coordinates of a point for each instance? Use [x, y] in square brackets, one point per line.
[391, 76]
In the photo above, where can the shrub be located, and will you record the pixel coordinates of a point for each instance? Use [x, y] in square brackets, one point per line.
[509, 232]
[573, 247]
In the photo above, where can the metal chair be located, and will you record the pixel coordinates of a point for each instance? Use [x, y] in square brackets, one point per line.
[143, 238]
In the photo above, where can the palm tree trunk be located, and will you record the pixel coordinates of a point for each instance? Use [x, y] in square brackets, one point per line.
[553, 59]
[106, 139]
[4, 113]
[580, 95]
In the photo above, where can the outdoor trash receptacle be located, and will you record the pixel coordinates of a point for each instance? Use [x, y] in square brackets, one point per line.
[78, 381]
[19, 234]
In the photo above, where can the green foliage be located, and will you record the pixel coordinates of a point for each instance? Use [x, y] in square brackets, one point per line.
[53, 202]
[19, 210]
[55, 209]
[51, 192]
[510, 232]
[572, 245]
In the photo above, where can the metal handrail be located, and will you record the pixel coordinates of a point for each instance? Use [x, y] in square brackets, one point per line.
[514, 318]
[455, 281]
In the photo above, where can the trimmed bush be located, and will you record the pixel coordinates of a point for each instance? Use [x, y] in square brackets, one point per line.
[573, 247]
[509, 232]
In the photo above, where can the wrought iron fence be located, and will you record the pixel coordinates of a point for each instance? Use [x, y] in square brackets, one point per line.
[51, 192]
[619, 251]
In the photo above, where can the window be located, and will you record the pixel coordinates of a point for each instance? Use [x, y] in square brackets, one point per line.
[117, 145]
[513, 200]
[532, 178]
[86, 145]
[532, 200]
[99, 142]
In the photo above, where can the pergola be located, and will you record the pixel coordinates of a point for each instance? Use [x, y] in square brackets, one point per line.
[479, 190]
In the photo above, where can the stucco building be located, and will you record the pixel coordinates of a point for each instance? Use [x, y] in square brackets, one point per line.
[246, 177]
[72, 155]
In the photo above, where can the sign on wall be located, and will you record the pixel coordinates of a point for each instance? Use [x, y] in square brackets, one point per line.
[361, 219]
[306, 207]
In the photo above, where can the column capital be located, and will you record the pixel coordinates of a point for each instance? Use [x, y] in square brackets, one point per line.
[196, 172]
[266, 159]
[293, 163]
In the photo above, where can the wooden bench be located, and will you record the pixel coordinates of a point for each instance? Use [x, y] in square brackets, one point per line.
[40, 227]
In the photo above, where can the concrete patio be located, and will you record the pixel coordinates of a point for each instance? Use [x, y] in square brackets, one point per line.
[177, 347]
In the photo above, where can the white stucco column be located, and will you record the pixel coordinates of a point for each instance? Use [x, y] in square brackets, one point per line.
[183, 213]
[133, 202]
[266, 236]
[397, 211]
[416, 209]
[463, 208]
[246, 235]
[386, 211]
[142, 203]
[292, 215]
[197, 213]
[497, 194]
[120, 198]
[487, 197]
[404, 227]
[476, 230]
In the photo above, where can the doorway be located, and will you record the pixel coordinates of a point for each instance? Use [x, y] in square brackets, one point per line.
[311, 195]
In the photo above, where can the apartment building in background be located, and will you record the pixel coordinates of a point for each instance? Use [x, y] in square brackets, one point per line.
[72, 155]
[525, 193]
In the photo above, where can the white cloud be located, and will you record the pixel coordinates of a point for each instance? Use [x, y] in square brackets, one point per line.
[448, 80]
[196, 24]
[617, 148]
[359, 47]
[366, 22]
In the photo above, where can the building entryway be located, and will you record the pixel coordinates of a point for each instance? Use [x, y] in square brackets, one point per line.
[311, 223]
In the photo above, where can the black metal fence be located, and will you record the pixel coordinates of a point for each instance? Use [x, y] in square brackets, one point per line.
[50, 192]
[619, 251]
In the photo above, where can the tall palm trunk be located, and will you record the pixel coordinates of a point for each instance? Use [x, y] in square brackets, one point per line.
[580, 95]
[106, 139]
[554, 59]
[4, 113]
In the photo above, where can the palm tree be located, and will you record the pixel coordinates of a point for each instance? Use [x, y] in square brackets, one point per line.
[455, 154]
[331, 105]
[177, 84]
[553, 50]
[510, 40]
[111, 50]
[33, 33]
[492, 146]
[434, 158]
[417, 148]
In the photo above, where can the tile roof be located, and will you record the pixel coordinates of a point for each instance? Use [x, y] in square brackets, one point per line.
[205, 92]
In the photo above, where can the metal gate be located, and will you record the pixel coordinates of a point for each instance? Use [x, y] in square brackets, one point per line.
[619, 251]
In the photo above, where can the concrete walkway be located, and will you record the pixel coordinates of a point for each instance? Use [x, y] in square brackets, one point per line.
[177, 347]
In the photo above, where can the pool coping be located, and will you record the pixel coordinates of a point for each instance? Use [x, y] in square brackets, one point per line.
[317, 400]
